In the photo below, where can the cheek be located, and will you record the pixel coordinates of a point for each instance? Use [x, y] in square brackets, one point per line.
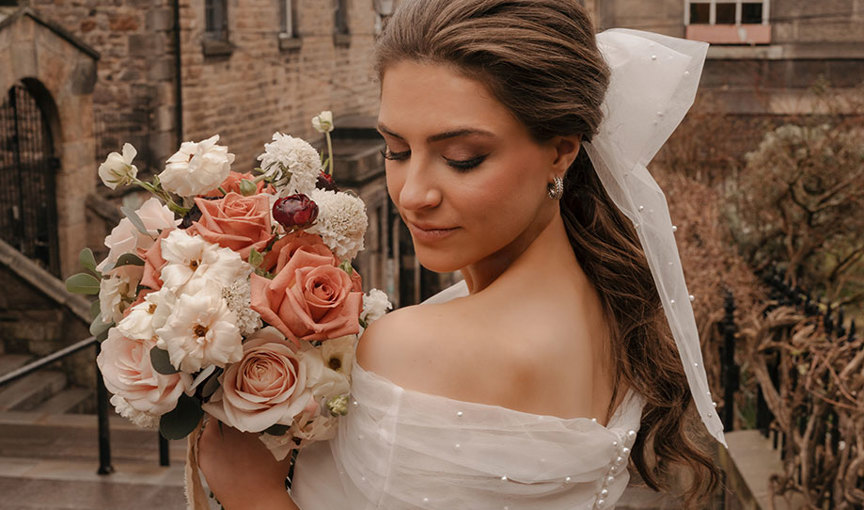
[394, 185]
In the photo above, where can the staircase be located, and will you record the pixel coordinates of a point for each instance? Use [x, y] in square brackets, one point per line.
[46, 391]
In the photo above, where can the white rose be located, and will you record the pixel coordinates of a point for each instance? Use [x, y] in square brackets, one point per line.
[201, 331]
[189, 258]
[125, 238]
[118, 170]
[375, 305]
[323, 122]
[197, 168]
[146, 317]
[117, 291]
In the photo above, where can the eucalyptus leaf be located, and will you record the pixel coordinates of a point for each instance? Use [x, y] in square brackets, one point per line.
[97, 327]
[161, 361]
[133, 217]
[101, 337]
[83, 283]
[129, 259]
[182, 420]
[87, 260]
[94, 309]
[255, 258]
[211, 385]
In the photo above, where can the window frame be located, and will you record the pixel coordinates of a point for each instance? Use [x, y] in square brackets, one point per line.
[341, 25]
[217, 7]
[712, 16]
[288, 20]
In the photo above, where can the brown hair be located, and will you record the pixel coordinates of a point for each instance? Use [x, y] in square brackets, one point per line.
[540, 59]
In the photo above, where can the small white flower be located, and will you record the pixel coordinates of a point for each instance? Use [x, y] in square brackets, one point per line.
[291, 163]
[326, 373]
[238, 297]
[191, 258]
[140, 418]
[197, 168]
[323, 122]
[117, 291]
[118, 170]
[375, 305]
[201, 331]
[125, 238]
[146, 317]
[341, 223]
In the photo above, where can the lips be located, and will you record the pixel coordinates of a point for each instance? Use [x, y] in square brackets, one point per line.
[426, 232]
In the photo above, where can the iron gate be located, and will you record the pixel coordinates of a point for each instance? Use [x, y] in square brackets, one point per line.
[28, 168]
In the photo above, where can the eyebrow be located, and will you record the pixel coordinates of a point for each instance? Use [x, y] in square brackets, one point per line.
[441, 136]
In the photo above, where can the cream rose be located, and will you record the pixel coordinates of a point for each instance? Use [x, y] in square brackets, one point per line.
[127, 372]
[266, 387]
[197, 168]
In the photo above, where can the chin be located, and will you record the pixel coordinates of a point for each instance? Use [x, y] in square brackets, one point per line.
[440, 261]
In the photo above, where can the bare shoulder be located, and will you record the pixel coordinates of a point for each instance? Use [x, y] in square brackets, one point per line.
[397, 346]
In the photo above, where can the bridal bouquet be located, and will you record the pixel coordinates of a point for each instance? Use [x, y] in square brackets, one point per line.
[232, 294]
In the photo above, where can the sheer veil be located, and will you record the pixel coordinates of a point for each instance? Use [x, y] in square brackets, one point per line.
[653, 84]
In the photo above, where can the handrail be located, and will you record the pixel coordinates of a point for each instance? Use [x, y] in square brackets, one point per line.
[47, 360]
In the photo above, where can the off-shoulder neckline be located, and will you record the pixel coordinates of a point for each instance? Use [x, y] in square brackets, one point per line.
[617, 415]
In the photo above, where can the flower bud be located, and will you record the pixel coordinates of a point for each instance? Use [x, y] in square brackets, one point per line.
[338, 406]
[295, 211]
[326, 182]
[323, 122]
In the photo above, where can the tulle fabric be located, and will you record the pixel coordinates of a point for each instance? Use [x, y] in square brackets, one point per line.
[402, 449]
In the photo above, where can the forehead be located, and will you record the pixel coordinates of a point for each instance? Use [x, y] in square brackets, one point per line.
[421, 98]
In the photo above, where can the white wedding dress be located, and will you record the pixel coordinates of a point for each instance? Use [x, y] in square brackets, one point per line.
[403, 449]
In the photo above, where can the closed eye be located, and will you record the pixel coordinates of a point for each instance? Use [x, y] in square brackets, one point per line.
[466, 164]
[387, 154]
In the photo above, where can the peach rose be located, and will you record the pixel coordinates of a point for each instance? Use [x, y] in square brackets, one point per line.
[309, 299]
[153, 263]
[283, 249]
[232, 183]
[127, 372]
[236, 222]
[266, 387]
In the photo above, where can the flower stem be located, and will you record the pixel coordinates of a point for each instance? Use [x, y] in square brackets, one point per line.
[329, 153]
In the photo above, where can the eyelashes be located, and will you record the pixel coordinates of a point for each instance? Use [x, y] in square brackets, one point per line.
[458, 164]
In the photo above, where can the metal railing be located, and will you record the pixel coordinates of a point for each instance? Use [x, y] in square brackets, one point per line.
[104, 431]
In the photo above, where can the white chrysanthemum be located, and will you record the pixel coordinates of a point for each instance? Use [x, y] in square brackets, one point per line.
[118, 169]
[146, 317]
[191, 258]
[341, 223]
[292, 163]
[238, 297]
[201, 331]
[375, 305]
[197, 168]
[140, 418]
[117, 292]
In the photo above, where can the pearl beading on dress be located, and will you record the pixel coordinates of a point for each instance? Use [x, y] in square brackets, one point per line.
[617, 465]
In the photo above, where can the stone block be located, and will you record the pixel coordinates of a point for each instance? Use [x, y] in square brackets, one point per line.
[83, 78]
[160, 20]
[24, 60]
[161, 69]
[146, 45]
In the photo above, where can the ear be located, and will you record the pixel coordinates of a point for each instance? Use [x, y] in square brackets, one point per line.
[566, 150]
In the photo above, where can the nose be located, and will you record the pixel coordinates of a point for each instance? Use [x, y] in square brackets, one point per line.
[419, 188]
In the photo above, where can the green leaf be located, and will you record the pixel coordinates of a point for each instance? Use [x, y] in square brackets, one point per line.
[276, 430]
[179, 422]
[101, 337]
[161, 361]
[133, 217]
[255, 258]
[94, 309]
[83, 283]
[97, 327]
[129, 259]
[87, 260]
[346, 266]
[211, 384]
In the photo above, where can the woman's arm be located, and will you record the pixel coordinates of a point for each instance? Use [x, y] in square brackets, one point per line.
[241, 472]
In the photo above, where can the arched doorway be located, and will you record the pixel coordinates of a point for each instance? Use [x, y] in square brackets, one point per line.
[28, 169]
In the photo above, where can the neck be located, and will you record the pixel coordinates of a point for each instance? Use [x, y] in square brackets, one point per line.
[545, 249]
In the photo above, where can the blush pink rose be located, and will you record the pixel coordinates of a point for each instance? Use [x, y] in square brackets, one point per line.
[285, 248]
[309, 299]
[236, 222]
[127, 372]
[153, 263]
[266, 387]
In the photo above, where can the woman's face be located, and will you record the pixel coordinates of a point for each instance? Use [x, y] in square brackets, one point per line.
[464, 173]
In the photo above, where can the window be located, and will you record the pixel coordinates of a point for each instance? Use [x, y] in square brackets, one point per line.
[288, 18]
[728, 21]
[340, 17]
[216, 19]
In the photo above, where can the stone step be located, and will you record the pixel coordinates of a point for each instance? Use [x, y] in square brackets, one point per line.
[75, 437]
[31, 390]
[69, 400]
[9, 362]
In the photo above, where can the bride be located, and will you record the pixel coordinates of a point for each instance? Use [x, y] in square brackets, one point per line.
[516, 145]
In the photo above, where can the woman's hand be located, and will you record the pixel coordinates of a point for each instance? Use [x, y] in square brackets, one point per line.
[240, 471]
